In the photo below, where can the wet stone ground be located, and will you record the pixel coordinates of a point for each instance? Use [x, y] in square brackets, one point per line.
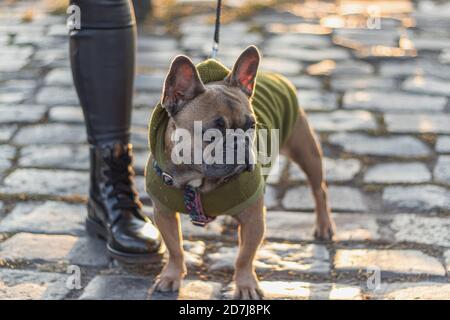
[378, 99]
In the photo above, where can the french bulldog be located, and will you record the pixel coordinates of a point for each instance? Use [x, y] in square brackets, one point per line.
[186, 99]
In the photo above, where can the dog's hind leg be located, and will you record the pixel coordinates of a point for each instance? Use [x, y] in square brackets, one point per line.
[305, 151]
[175, 269]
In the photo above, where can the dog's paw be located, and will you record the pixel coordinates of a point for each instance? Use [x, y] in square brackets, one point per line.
[324, 230]
[170, 278]
[247, 288]
[248, 292]
[167, 283]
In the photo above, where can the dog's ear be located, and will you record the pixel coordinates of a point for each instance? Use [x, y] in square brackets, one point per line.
[244, 70]
[182, 84]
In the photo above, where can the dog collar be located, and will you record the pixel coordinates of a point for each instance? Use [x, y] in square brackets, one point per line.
[191, 196]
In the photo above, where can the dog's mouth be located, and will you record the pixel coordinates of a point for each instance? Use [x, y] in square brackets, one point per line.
[224, 174]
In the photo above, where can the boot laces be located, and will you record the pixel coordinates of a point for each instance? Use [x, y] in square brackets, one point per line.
[121, 175]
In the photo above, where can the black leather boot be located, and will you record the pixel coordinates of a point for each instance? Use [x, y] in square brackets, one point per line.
[114, 211]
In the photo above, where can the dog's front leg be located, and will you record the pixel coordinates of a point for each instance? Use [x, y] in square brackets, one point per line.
[251, 232]
[175, 269]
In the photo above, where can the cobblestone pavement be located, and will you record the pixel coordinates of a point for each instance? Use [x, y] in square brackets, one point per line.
[378, 99]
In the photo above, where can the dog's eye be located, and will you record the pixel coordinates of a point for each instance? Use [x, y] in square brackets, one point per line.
[220, 123]
[250, 123]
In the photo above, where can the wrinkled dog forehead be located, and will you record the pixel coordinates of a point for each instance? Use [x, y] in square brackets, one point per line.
[219, 99]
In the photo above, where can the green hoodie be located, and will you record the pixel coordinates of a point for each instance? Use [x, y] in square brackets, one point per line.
[275, 106]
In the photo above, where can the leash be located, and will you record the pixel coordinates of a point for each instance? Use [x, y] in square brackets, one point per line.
[215, 47]
[191, 197]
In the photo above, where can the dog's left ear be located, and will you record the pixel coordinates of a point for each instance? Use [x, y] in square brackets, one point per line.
[244, 70]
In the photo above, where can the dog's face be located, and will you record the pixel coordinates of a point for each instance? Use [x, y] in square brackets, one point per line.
[219, 106]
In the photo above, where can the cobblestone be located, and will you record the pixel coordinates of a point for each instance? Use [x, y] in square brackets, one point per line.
[294, 226]
[141, 117]
[427, 85]
[50, 134]
[50, 217]
[430, 44]
[414, 172]
[413, 291]
[398, 146]
[400, 69]
[441, 171]
[36, 248]
[16, 91]
[422, 198]
[277, 257]
[193, 290]
[341, 198]
[317, 100]
[390, 262]
[59, 77]
[154, 43]
[423, 123]
[46, 182]
[418, 229]
[343, 84]
[146, 99]
[447, 260]
[21, 114]
[140, 288]
[32, 285]
[444, 57]
[443, 144]
[298, 40]
[57, 96]
[149, 82]
[338, 170]
[340, 68]
[343, 121]
[6, 155]
[295, 290]
[52, 58]
[392, 102]
[270, 197]
[193, 251]
[66, 114]
[308, 55]
[13, 59]
[6, 132]
[139, 138]
[114, 287]
[366, 37]
[306, 82]
[284, 66]
[39, 248]
[58, 157]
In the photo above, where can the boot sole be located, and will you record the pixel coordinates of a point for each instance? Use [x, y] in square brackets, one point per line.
[95, 229]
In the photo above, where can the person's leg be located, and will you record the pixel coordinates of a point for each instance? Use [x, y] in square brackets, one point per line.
[102, 56]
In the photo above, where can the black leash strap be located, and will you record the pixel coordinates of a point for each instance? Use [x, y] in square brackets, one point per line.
[215, 47]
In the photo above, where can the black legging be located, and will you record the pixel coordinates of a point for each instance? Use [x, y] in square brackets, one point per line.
[102, 56]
